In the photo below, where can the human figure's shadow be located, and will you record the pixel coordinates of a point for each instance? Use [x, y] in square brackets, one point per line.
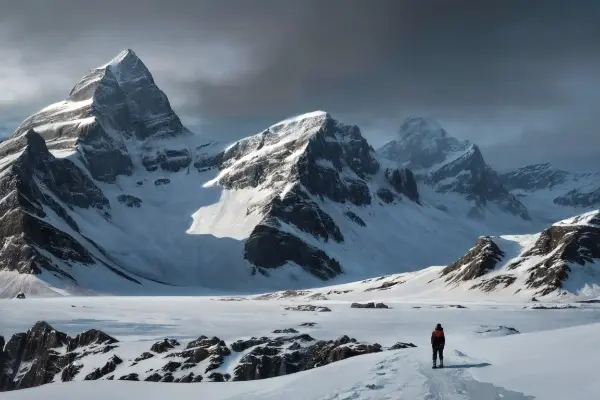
[480, 365]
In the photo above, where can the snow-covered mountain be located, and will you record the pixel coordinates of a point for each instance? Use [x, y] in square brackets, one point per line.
[560, 263]
[450, 166]
[549, 192]
[107, 192]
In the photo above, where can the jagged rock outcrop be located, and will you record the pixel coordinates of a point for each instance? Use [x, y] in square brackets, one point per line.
[573, 243]
[34, 185]
[129, 200]
[449, 165]
[404, 182]
[477, 262]
[43, 355]
[165, 345]
[270, 359]
[567, 253]
[308, 307]
[34, 358]
[368, 305]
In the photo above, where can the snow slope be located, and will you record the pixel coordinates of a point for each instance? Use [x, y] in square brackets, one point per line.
[479, 366]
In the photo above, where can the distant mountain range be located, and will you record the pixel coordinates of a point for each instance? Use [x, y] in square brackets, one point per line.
[107, 192]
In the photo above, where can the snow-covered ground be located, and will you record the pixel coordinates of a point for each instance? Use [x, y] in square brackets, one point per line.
[554, 355]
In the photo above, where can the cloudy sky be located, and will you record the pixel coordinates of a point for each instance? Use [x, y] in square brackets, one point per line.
[521, 78]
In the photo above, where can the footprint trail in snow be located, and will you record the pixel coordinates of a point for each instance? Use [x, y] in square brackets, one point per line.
[398, 377]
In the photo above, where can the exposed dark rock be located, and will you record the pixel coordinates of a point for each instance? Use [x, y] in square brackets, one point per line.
[130, 377]
[355, 218]
[386, 195]
[489, 285]
[218, 377]
[331, 292]
[164, 345]
[478, 261]
[167, 160]
[287, 330]
[266, 357]
[498, 330]
[90, 337]
[561, 248]
[21, 296]
[268, 361]
[368, 305]
[186, 379]
[308, 307]
[25, 185]
[162, 181]
[553, 307]
[286, 247]
[295, 346]
[403, 181]
[384, 286]
[242, 345]
[70, 372]
[401, 345]
[145, 355]
[451, 306]
[129, 200]
[171, 366]
[310, 324]
[155, 377]
[109, 367]
[297, 208]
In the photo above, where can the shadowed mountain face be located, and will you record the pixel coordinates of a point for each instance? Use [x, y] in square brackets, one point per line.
[450, 166]
[546, 183]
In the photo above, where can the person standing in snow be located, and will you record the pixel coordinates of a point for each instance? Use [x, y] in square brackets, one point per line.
[438, 341]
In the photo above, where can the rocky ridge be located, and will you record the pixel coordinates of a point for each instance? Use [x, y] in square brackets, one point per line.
[450, 165]
[43, 355]
[568, 247]
[563, 188]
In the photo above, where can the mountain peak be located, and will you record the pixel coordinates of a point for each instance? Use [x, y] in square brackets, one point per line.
[124, 56]
[317, 116]
[426, 126]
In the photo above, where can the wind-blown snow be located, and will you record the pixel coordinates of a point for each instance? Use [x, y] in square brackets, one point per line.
[586, 219]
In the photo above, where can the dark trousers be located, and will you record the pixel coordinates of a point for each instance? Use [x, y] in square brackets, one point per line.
[438, 351]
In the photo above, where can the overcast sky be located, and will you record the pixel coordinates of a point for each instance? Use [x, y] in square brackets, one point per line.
[520, 78]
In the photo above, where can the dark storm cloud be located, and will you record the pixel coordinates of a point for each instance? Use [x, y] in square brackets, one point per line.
[490, 70]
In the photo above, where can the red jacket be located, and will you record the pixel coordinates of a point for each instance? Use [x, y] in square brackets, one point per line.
[438, 338]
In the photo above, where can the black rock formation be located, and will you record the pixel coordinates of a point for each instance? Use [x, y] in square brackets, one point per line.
[368, 305]
[477, 262]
